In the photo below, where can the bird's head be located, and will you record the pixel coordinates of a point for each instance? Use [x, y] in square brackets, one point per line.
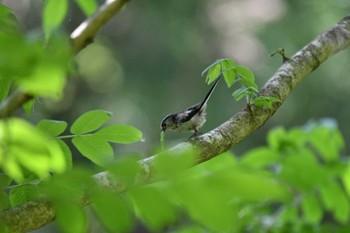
[168, 122]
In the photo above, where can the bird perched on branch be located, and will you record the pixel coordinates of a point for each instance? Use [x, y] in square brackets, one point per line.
[191, 119]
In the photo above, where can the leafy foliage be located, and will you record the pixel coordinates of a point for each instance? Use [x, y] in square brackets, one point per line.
[237, 73]
[22, 194]
[263, 190]
[92, 142]
[35, 59]
[107, 206]
[24, 148]
[275, 182]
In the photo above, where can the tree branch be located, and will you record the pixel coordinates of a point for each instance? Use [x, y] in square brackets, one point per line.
[10, 105]
[230, 133]
[85, 33]
[81, 37]
[280, 85]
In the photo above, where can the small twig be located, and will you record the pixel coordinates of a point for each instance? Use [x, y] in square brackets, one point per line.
[281, 52]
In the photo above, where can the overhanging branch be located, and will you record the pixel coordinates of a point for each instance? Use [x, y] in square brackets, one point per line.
[86, 32]
[231, 132]
[80, 37]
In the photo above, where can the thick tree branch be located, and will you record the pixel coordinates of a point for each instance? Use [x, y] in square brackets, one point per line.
[280, 85]
[81, 37]
[230, 133]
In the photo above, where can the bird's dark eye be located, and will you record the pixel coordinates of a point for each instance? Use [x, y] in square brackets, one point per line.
[163, 125]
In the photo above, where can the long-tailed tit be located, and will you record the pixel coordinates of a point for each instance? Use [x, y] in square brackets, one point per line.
[191, 119]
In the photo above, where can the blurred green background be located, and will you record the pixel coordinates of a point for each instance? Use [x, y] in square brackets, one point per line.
[146, 63]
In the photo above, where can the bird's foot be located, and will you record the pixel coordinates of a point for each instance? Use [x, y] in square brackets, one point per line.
[194, 135]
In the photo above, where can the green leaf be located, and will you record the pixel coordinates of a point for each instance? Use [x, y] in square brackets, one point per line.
[228, 64]
[12, 169]
[261, 186]
[119, 134]
[190, 229]
[289, 214]
[345, 179]
[54, 13]
[192, 193]
[51, 127]
[336, 201]
[213, 73]
[170, 163]
[28, 106]
[218, 61]
[312, 210]
[281, 140]
[310, 173]
[109, 206]
[229, 71]
[126, 169]
[47, 79]
[8, 21]
[88, 6]
[5, 181]
[90, 121]
[22, 194]
[5, 84]
[328, 142]
[71, 218]
[265, 101]
[71, 186]
[247, 76]
[98, 151]
[67, 153]
[4, 202]
[149, 199]
[28, 147]
[10, 47]
[260, 158]
[226, 160]
[244, 91]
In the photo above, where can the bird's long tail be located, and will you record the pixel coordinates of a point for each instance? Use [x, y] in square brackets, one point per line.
[210, 92]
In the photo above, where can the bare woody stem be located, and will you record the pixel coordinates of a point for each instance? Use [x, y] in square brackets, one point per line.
[222, 138]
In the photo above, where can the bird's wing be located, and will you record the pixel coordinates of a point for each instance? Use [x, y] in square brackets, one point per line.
[188, 113]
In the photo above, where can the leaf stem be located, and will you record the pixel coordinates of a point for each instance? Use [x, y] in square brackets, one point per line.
[66, 136]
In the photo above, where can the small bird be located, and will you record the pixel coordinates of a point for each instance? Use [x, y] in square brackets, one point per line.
[191, 119]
